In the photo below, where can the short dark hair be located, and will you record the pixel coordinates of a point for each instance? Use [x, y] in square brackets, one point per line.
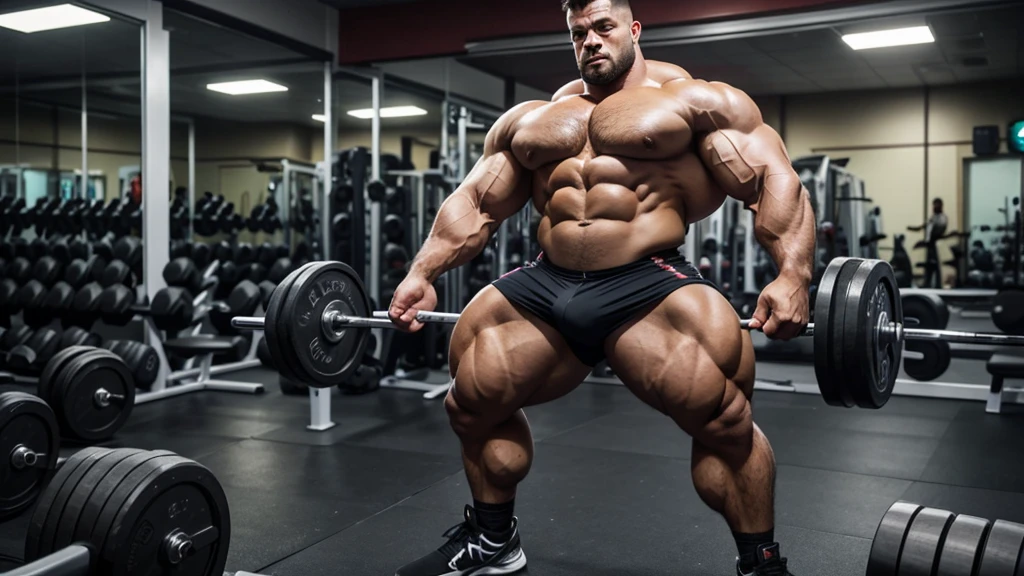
[574, 5]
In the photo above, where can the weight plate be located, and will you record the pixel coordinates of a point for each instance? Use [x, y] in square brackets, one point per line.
[937, 357]
[871, 349]
[89, 417]
[890, 535]
[51, 502]
[962, 549]
[276, 339]
[124, 489]
[54, 366]
[321, 362]
[1002, 549]
[59, 385]
[180, 497]
[105, 491]
[25, 422]
[83, 491]
[923, 543]
[828, 317]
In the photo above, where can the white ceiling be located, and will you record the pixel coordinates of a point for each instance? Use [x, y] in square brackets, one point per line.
[48, 67]
[971, 45]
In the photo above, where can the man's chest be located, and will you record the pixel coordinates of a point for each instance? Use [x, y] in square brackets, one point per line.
[641, 123]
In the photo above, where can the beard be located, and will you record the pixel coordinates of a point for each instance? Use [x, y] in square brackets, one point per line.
[616, 67]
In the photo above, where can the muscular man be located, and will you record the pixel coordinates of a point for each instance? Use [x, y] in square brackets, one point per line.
[617, 166]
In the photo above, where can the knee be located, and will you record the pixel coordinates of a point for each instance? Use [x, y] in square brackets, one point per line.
[730, 434]
[463, 421]
[470, 411]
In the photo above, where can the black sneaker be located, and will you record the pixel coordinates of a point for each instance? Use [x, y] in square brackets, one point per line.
[768, 562]
[471, 550]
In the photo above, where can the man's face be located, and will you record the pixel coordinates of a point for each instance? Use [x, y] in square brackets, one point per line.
[937, 207]
[604, 39]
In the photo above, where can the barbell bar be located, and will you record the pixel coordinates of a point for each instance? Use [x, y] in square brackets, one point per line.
[339, 322]
[315, 317]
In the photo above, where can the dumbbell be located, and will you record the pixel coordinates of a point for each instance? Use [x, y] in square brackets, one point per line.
[243, 300]
[182, 273]
[171, 309]
[12, 337]
[32, 355]
[142, 360]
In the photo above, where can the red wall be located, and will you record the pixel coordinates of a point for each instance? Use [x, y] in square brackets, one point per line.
[443, 27]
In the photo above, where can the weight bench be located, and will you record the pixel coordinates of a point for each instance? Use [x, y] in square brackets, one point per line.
[206, 347]
[1002, 365]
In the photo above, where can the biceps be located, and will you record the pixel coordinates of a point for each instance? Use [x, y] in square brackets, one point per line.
[741, 163]
[499, 185]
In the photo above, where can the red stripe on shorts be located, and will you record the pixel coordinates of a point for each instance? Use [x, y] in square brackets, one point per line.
[668, 267]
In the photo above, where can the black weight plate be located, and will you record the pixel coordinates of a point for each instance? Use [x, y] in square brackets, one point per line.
[61, 380]
[83, 492]
[828, 319]
[284, 324]
[103, 493]
[121, 493]
[54, 366]
[962, 549]
[1002, 549]
[930, 310]
[87, 419]
[937, 358]
[276, 340]
[888, 542]
[181, 496]
[872, 350]
[321, 363]
[25, 421]
[924, 542]
[51, 502]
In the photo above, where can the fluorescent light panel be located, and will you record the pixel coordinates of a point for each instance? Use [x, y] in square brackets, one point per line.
[319, 117]
[50, 18]
[887, 38]
[392, 112]
[246, 87]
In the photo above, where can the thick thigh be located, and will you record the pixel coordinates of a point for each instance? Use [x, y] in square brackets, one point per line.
[503, 358]
[688, 358]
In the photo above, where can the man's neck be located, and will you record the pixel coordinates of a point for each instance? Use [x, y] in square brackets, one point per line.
[636, 76]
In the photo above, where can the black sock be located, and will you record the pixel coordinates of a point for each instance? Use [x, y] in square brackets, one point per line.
[494, 517]
[747, 545]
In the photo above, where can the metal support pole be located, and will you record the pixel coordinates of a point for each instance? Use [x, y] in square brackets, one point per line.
[156, 149]
[191, 176]
[84, 188]
[375, 217]
[375, 206]
[325, 208]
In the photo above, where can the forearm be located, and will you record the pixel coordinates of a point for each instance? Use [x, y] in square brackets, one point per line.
[784, 225]
[460, 232]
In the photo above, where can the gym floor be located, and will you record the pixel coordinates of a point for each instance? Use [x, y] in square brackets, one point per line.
[609, 493]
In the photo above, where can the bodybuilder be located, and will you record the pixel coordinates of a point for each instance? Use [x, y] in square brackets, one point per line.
[618, 164]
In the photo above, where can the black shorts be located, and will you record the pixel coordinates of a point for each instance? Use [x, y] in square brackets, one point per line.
[586, 307]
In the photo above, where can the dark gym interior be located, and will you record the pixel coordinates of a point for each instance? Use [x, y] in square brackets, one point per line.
[214, 217]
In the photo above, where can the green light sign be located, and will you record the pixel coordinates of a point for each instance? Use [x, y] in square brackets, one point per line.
[1015, 137]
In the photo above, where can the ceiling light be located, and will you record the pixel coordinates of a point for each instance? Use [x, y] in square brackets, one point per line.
[246, 87]
[50, 18]
[392, 112]
[886, 38]
[319, 117]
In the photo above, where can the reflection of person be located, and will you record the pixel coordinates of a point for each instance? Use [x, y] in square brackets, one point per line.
[935, 230]
[617, 165]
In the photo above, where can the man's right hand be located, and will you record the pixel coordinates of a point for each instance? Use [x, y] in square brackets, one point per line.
[414, 295]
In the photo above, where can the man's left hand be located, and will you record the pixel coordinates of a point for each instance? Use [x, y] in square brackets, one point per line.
[783, 308]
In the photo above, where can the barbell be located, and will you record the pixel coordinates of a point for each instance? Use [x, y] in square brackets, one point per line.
[316, 319]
